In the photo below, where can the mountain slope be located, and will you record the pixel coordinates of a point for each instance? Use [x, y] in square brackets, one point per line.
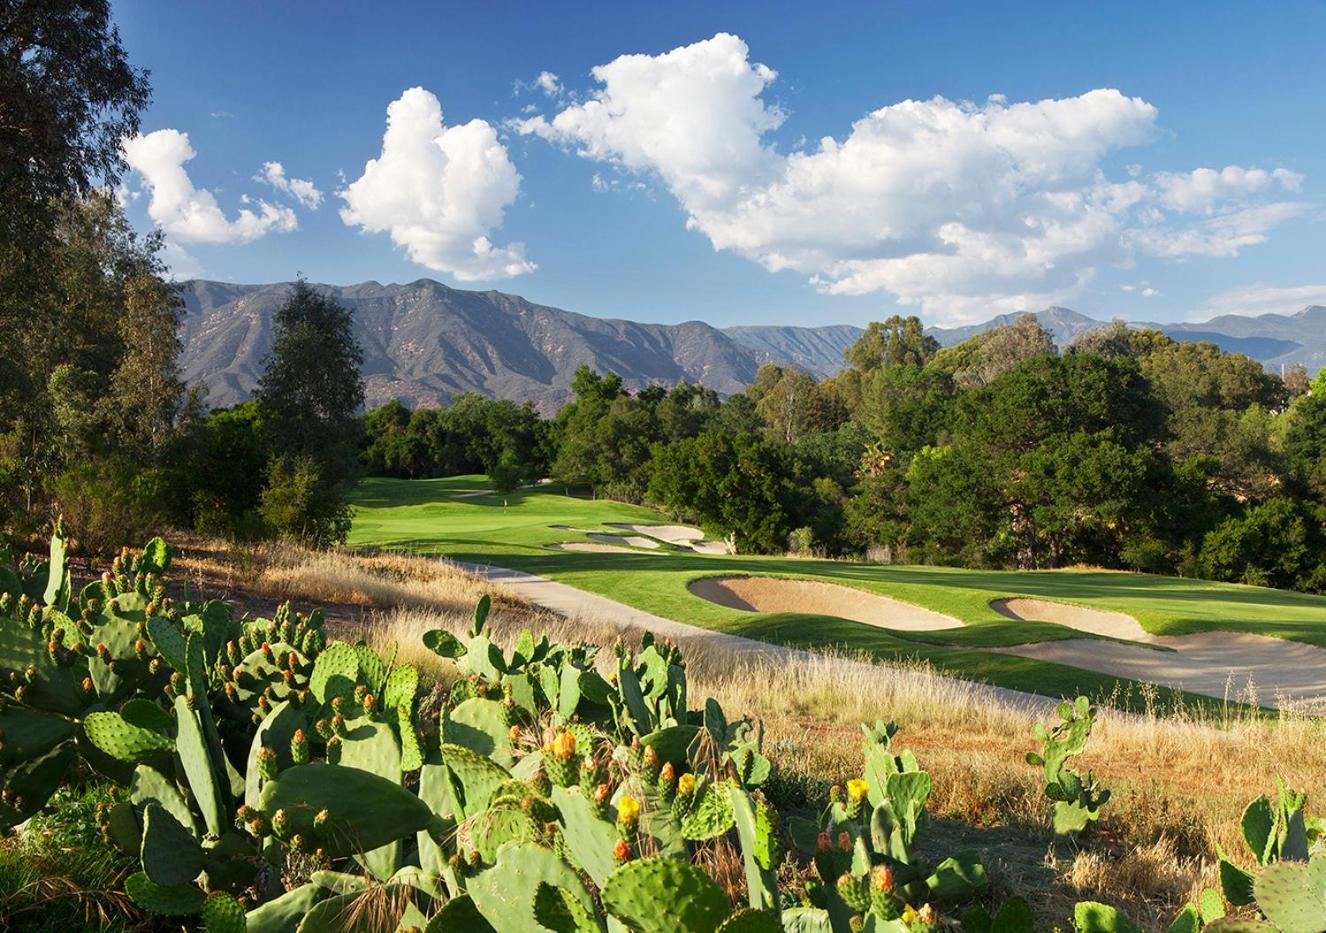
[818, 350]
[424, 342]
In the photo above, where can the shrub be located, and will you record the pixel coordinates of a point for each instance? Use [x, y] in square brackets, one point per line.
[107, 503]
[298, 504]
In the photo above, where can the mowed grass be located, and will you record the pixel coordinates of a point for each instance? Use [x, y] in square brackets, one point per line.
[515, 530]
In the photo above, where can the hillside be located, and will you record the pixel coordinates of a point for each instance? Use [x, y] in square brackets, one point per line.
[425, 342]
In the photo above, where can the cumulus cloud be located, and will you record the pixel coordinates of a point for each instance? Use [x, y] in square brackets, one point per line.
[301, 189]
[1202, 188]
[958, 208]
[190, 213]
[439, 191]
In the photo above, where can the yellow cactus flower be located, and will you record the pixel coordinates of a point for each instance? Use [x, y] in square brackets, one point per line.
[857, 790]
[686, 784]
[628, 811]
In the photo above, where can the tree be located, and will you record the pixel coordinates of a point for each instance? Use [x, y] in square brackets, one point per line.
[979, 360]
[897, 341]
[310, 390]
[67, 97]
[308, 396]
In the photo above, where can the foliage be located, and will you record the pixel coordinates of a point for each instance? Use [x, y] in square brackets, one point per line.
[300, 503]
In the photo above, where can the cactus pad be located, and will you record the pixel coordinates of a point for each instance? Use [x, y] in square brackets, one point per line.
[352, 826]
[182, 900]
[123, 740]
[170, 854]
[633, 893]
[1292, 895]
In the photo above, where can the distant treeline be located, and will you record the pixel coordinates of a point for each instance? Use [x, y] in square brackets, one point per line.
[1127, 450]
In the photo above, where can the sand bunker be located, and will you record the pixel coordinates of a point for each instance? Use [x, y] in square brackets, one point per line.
[1095, 621]
[1217, 664]
[622, 540]
[772, 594]
[592, 547]
[679, 535]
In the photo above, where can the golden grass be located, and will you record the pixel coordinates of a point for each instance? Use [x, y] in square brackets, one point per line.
[1180, 780]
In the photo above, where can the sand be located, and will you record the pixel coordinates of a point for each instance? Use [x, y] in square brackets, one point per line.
[771, 594]
[622, 540]
[592, 547]
[1238, 665]
[679, 535]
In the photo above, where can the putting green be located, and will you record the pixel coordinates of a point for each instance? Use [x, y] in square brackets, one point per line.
[516, 530]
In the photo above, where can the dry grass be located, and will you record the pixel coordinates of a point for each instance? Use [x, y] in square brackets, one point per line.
[1180, 781]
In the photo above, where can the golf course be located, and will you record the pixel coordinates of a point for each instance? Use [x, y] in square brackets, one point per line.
[1048, 632]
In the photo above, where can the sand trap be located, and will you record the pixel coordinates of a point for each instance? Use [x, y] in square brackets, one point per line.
[622, 540]
[679, 535]
[1217, 664]
[771, 594]
[1095, 621]
[591, 547]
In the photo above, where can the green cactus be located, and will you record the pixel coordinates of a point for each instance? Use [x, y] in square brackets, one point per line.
[123, 740]
[283, 914]
[633, 893]
[1292, 895]
[757, 831]
[181, 900]
[1077, 799]
[347, 825]
[170, 854]
[223, 914]
[1091, 917]
[505, 893]
[481, 726]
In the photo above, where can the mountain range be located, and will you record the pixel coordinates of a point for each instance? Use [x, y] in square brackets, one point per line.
[424, 342]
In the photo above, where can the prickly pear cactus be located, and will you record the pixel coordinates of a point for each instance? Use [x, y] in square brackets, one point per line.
[1077, 799]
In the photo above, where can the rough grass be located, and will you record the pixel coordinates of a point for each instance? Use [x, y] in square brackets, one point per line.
[1180, 778]
[56, 874]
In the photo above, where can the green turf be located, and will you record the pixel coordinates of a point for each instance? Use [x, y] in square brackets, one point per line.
[514, 530]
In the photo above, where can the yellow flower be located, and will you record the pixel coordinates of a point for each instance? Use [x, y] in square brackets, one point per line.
[909, 915]
[628, 811]
[857, 790]
[686, 784]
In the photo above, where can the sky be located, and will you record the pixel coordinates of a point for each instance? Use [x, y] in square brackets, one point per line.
[746, 163]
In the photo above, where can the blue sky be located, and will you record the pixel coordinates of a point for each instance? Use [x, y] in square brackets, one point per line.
[752, 162]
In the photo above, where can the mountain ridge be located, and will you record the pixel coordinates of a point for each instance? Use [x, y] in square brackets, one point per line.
[424, 342]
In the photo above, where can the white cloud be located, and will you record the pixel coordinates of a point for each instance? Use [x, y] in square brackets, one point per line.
[960, 209]
[548, 83]
[1202, 188]
[190, 213]
[1262, 299]
[439, 191]
[545, 82]
[180, 263]
[301, 189]
[1149, 293]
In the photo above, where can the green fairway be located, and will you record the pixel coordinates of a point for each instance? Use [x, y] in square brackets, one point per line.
[516, 529]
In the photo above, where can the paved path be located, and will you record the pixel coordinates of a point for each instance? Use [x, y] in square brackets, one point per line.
[573, 603]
